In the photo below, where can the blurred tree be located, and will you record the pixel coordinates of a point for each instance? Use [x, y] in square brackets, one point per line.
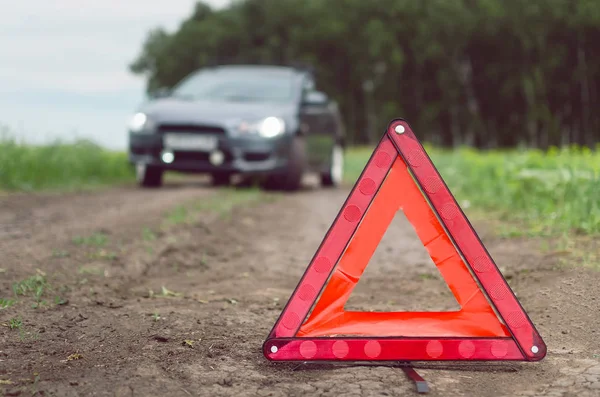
[487, 73]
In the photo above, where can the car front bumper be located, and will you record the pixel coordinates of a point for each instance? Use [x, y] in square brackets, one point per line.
[248, 155]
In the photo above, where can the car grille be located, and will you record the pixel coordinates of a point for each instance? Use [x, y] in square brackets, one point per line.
[190, 128]
[184, 157]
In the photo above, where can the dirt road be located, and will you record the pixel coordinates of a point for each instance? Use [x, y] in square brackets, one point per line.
[172, 292]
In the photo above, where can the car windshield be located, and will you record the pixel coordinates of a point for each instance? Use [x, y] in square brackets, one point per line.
[238, 85]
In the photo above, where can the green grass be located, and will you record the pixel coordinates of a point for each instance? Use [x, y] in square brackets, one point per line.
[35, 284]
[15, 323]
[36, 287]
[547, 192]
[222, 204]
[229, 198]
[96, 239]
[550, 192]
[6, 303]
[59, 166]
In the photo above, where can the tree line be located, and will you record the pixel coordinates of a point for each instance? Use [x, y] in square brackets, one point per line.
[483, 73]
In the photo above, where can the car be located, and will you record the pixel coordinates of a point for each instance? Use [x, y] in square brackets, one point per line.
[266, 121]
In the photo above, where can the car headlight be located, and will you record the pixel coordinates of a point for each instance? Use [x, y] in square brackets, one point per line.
[140, 122]
[269, 127]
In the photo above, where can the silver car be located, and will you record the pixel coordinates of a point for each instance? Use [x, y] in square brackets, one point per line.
[266, 121]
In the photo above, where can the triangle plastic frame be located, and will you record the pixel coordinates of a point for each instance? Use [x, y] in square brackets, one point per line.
[521, 342]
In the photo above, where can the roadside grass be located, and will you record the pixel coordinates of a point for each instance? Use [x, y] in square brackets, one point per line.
[97, 239]
[221, 204]
[6, 303]
[534, 192]
[59, 166]
[583, 250]
[229, 198]
[36, 289]
[16, 324]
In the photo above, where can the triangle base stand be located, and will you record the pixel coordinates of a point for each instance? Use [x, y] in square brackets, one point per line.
[420, 383]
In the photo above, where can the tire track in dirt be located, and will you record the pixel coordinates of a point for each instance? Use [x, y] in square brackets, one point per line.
[226, 280]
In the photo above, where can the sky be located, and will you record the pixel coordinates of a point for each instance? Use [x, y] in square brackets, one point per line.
[64, 65]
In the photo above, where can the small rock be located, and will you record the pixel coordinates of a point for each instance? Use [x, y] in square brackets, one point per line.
[73, 383]
[564, 332]
[226, 382]
[595, 386]
[13, 392]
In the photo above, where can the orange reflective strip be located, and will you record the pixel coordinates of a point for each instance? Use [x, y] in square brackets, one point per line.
[475, 318]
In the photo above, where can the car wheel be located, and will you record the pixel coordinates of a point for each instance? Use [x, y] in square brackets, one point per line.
[148, 176]
[291, 178]
[334, 176]
[220, 179]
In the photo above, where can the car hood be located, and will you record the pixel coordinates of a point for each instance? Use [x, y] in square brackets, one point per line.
[173, 110]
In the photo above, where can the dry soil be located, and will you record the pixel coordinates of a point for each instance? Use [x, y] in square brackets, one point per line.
[171, 292]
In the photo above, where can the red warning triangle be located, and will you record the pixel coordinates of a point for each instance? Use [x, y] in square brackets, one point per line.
[490, 325]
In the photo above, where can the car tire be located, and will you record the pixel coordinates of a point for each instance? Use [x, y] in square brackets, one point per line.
[148, 176]
[220, 179]
[291, 178]
[334, 175]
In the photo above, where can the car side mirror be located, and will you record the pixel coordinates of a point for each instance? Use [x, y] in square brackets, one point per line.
[162, 92]
[315, 98]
